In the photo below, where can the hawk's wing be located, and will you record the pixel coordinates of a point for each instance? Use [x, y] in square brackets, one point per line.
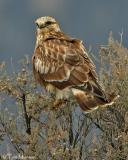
[64, 62]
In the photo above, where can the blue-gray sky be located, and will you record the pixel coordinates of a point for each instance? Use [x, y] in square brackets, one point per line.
[89, 20]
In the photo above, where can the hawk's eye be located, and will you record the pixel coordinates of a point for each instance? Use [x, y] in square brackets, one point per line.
[48, 23]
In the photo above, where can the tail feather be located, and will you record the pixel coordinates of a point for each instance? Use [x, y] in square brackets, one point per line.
[89, 101]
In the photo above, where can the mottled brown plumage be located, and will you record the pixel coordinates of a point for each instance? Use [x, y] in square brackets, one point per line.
[62, 65]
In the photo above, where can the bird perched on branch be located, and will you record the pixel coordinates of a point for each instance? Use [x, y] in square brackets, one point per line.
[62, 65]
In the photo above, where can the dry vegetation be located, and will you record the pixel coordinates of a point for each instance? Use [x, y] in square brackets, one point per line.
[43, 133]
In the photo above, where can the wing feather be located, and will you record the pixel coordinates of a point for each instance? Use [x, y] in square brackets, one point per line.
[64, 62]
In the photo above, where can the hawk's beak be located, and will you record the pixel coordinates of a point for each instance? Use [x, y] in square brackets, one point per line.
[37, 24]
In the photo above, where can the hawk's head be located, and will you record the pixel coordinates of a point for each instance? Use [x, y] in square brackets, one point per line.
[47, 23]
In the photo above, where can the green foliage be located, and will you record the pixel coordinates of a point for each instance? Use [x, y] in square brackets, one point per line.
[65, 132]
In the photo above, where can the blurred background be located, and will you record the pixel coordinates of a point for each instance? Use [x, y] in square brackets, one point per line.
[88, 20]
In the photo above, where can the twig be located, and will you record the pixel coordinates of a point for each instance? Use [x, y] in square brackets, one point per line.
[27, 118]
[70, 130]
[81, 151]
[9, 135]
[78, 133]
[96, 124]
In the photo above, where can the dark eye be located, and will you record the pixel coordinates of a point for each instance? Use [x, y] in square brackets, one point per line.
[48, 23]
